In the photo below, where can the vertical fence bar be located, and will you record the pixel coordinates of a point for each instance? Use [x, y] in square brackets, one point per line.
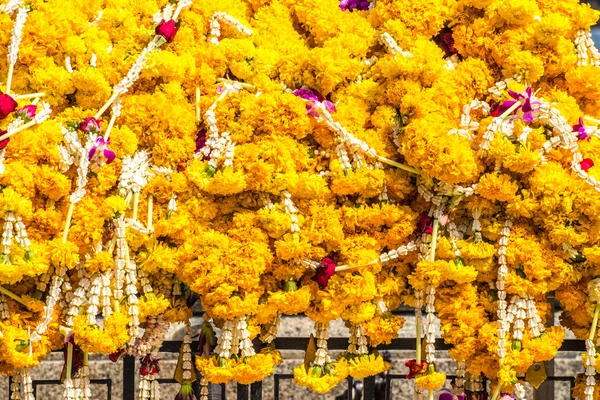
[129, 378]
[256, 391]
[369, 388]
[242, 392]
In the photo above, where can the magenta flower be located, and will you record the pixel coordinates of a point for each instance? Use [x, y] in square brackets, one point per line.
[451, 396]
[425, 224]
[507, 396]
[325, 271]
[90, 124]
[27, 112]
[316, 100]
[7, 105]
[445, 41]
[101, 144]
[351, 5]
[167, 29]
[526, 110]
[3, 143]
[586, 164]
[581, 131]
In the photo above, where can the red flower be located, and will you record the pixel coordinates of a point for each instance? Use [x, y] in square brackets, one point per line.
[445, 41]
[7, 105]
[586, 164]
[425, 224]
[117, 355]
[415, 369]
[325, 271]
[167, 30]
[3, 143]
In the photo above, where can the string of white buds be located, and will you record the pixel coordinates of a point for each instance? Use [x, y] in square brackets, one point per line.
[151, 340]
[3, 309]
[21, 230]
[587, 54]
[533, 319]
[69, 391]
[44, 279]
[15, 385]
[172, 206]
[291, 210]
[71, 150]
[516, 316]
[10, 7]
[132, 300]
[164, 14]
[388, 41]
[17, 32]
[27, 384]
[467, 126]
[81, 383]
[224, 344]
[503, 323]
[473, 383]
[519, 391]
[270, 332]
[79, 298]
[498, 125]
[430, 324]
[187, 352]
[144, 282]
[245, 344]
[496, 90]
[590, 371]
[67, 296]
[429, 196]
[107, 294]
[400, 251]
[460, 374]
[358, 341]
[135, 172]
[322, 334]
[94, 294]
[203, 389]
[11, 127]
[51, 300]
[222, 17]
[2, 157]
[120, 259]
[8, 231]
[476, 225]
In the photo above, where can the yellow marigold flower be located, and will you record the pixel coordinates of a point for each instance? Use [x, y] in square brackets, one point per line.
[321, 381]
[431, 381]
[498, 187]
[150, 305]
[367, 365]
[114, 207]
[382, 329]
[51, 183]
[107, 340]
[11, 201]
[544, 348]
[525, 64]
[293, 302]
[210, 369]
[62, 254]
[253, 369]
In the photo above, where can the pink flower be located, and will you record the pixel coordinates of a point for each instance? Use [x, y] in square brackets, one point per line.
[325, 271]
[90, 125]
[3, 143]
[315, 100]
[7, 105]
[101, 144]
[581, 131]
[425, 224]
[586, 164]
[167, 30]
[27, 112]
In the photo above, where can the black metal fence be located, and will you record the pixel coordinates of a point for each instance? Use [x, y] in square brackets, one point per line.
[372, 388]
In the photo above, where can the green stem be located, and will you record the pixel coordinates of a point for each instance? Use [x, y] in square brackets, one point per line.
[595, 322]
[418, 334]
[429, 394]
[13, 296]
[136, 202]
[69, 360]
[496, 392]
[150, 210]
[434, 235]
[68, 222]
[399, 165]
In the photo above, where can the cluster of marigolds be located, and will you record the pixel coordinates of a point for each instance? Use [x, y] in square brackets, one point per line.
[275, 157]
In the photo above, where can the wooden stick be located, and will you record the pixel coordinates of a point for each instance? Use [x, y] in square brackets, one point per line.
[11, 70]
[106, 105]
[594, 120]
[418, 343]
[113, 118]
[511, 109]
[595, 322]
[399, 165]
[19, 129]
[13, 296]
[136, 201]
[30, 96]
[150, 205]
[496, 391]
[68, 222]
[69, 360]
